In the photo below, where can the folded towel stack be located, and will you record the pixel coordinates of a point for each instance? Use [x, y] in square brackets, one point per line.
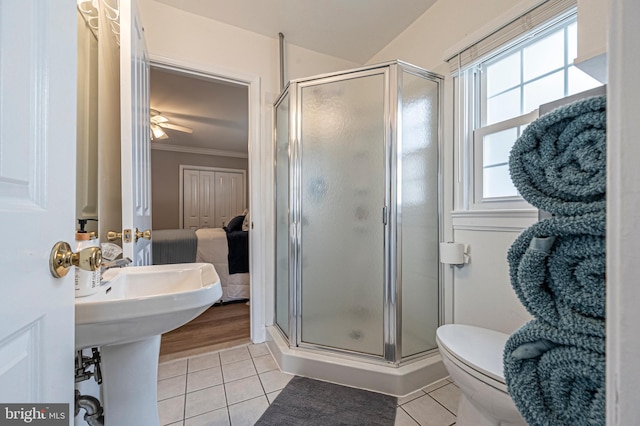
[559, 162]
[555, 365]
[562, 283]
[561, 384]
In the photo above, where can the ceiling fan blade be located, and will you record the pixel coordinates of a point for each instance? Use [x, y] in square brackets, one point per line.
[157, 119]
[175, 127]
[157, 132]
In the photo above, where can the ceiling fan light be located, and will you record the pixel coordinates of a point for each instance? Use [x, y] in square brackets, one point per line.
[156, 117]
[159, 123]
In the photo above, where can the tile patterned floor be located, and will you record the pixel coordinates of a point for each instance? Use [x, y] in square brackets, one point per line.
[234, 387]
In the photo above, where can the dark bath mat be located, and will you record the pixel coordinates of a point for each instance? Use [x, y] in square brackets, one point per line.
[308, 402]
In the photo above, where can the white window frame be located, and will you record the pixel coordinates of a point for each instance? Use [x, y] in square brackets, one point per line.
[470, 83]
[479, 201]
[530, 40]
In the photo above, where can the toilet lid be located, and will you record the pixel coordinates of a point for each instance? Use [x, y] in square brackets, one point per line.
[479, 348]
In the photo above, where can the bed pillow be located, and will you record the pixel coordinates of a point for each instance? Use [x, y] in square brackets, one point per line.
[234, 224]
[245, 222]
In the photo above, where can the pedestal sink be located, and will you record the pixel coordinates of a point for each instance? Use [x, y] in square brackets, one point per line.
[126, 317]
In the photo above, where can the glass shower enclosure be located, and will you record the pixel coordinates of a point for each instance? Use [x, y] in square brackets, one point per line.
[357, 208]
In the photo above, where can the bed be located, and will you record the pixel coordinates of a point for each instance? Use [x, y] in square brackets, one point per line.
[228, 251]
[213, 247]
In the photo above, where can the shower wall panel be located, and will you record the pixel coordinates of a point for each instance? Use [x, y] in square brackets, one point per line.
[418, 213]
[282, 214]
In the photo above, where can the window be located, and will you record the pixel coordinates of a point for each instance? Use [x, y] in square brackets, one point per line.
[504, 91]
[491, 147]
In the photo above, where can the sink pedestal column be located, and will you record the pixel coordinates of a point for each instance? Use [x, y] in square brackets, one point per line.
[130, 386]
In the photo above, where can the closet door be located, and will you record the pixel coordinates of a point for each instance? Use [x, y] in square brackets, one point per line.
[235, 185]
[211, 199]
[190, 203]
[223, 209]
[207, 199]
[229, 196]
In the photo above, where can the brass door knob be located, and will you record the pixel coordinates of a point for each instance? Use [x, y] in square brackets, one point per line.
[125, 235]
[112, 235]
[143, 234]
[62, 258]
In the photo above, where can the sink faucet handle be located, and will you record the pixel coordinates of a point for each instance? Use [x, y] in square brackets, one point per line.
[116, 263]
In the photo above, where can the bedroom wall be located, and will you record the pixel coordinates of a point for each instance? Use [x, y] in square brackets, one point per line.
[165, 175]
[480, 293]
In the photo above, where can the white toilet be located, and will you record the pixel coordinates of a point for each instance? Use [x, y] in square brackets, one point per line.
[473, 357]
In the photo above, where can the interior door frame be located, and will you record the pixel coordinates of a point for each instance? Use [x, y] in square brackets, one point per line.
[257, 200]
[184, 167]
[623, 202]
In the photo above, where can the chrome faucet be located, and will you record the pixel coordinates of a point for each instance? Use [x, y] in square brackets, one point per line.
[119, 263]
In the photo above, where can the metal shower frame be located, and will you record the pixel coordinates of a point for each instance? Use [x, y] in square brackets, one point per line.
[392, 211]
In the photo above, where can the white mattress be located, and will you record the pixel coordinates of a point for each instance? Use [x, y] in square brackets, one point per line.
[213, 248]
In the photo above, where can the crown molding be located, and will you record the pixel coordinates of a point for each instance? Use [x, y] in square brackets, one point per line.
[202, 151]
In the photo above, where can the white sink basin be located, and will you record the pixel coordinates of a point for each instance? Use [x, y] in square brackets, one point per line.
[126, 317]
[138, 302]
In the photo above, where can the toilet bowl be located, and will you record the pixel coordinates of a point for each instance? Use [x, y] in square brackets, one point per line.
[473, 357]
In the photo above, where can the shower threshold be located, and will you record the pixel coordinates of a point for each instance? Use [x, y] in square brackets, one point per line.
[390, 380]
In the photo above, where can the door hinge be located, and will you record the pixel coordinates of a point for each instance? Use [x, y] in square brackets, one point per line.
[385, 215]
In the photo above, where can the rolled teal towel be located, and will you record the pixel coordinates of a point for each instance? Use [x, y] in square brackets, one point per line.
[558, 163]
[564, 385]
[557, 269]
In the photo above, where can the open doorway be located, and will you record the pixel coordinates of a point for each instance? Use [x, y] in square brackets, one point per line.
[200, 166]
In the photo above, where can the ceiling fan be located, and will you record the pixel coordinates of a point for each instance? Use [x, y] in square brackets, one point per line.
[159, 122]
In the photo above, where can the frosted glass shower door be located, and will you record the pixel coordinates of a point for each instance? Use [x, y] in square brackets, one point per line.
[342, 184]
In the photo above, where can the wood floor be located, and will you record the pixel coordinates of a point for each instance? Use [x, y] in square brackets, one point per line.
[218, 327]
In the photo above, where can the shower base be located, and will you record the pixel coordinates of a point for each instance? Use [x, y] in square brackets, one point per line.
[390, 380]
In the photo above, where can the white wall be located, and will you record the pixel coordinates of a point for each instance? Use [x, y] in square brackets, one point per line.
[440, 27]
[482, 292]
[176, 34]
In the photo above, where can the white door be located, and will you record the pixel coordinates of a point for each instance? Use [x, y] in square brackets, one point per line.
[207, 199]
[135, 142]
[229, 196]
[37, 199]
[237, 193]
[191, 201]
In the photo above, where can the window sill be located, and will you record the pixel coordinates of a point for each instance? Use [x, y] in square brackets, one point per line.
[503, 220]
